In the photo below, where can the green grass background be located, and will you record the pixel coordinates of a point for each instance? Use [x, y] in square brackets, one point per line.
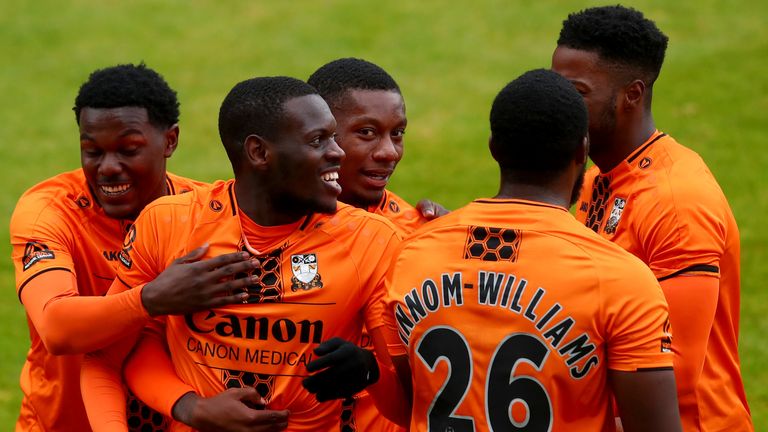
[450, 59]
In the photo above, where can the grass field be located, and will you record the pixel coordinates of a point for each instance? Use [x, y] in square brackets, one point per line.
[450, 60]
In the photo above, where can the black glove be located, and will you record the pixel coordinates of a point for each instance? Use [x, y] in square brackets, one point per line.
[344, 369]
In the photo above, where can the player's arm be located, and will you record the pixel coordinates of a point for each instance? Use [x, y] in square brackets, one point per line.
[102, 388]
[151, 376]
[51, 300]
[692, 303]
[69, 323]
[647, 400]
[392, 393]
[684, 244]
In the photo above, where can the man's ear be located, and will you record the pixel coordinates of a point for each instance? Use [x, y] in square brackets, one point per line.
[634, 95]
[492, 146]
[171, 140]
[582, 151]
[256, 151]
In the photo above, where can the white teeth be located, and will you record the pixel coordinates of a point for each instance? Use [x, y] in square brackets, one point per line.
[116, 189]
[331, 176]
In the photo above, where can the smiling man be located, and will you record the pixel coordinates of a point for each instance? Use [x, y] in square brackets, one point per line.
[370, 113]
[322, 274]
[67, 233]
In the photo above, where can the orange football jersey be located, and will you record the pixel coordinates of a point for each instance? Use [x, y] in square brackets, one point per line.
[511, 313]
[664, 206]
[364, 415]
[399, 212]
[57, 225]
[325, 278]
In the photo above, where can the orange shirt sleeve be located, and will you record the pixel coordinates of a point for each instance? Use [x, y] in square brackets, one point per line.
[47, 286]
[150, 374]
[101, 378]
[685, 231]
[51, 301]
[101, 386]
[40, 241]
[636, 319]
[388, 392]
[692, 327]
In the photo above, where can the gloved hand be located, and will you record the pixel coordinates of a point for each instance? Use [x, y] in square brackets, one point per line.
[343, 369]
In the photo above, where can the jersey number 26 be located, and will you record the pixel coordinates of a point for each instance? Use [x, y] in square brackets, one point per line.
[502, 387]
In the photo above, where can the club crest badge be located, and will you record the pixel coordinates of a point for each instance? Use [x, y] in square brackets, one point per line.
[615, 216]
[305, 275]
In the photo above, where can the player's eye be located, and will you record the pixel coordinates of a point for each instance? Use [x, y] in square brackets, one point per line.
[398, 133]
[367, 132]
[129, 151]
[90, 152]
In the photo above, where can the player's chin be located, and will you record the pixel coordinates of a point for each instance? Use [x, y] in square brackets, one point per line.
[326, 205]
[370, 196]
[127, 210]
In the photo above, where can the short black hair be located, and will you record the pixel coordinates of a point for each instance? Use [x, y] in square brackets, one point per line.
[255, 107]
[619, 35]
[131, 85]
[333, 80]
[538, 121]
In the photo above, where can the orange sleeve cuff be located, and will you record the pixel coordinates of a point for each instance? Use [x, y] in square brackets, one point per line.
[151, 376]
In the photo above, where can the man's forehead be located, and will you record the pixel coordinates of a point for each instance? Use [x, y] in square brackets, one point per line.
[91, 117]
[361, 100]
[307, 112]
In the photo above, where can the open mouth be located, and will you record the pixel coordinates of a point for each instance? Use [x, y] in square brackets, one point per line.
[377, 178]
[331, 178]
[115, 190]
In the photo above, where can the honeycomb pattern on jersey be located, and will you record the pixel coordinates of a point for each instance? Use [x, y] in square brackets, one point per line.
[264, 384]
[142, 418]
[492, 244]
[269, 289]
[347, 420]
[598, 202]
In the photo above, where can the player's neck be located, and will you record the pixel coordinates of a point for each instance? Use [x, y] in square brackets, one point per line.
[625, 141]
[546, 194]
[259, 207]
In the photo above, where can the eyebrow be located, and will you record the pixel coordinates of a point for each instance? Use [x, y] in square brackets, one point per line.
[130, 131]
[123, 134]
[372, 119]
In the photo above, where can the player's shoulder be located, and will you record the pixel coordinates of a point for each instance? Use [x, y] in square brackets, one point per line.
[606, 256]
[404, 215]
[217, 196]
[348, 218]
[181, 185]
[679, 173]
[682, 185]
[63, 194]
[436, 233]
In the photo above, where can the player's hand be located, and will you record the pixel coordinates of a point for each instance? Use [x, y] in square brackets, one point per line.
[344, 369]
[191, 284]
[233, 410]
[430, 209]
